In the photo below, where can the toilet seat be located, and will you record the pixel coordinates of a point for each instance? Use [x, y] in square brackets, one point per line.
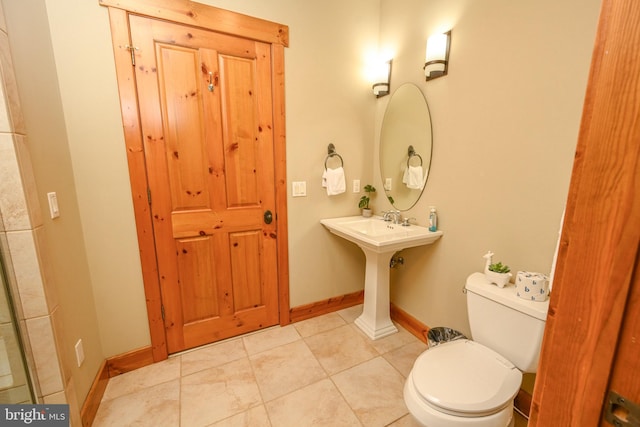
[465, 378]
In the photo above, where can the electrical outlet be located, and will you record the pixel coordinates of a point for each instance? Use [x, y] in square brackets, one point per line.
[356, 185]
[388, 184]
[79, 353]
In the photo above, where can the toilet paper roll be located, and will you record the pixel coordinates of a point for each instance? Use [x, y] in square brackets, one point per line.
[532, 286]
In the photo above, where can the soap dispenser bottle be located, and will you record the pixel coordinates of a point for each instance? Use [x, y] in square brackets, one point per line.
[433, 219]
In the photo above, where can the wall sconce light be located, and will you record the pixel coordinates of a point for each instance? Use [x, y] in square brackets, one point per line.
[437, 56]
[382, 77]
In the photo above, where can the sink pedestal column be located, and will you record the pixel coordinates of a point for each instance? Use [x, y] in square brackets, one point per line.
[375, 320]
[379, 241]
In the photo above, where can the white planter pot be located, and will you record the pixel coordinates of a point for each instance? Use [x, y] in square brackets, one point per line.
[499, 279]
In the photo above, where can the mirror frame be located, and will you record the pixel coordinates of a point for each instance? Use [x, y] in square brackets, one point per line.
[393, 154]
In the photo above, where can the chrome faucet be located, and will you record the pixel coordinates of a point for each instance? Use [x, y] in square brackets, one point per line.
[394, 216]
[405, 221]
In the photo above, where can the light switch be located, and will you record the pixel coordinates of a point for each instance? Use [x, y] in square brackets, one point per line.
[387, 184]
[79, 352]
[53, 205]
[356, 185]
[299, 188]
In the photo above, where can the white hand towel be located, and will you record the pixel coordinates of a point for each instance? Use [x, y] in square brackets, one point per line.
[413, 177]
[333, 180]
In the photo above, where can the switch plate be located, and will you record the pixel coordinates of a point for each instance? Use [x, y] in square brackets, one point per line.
[79, 353]
[53, 205]
[356, 185]
[387, 184]
[299, 188]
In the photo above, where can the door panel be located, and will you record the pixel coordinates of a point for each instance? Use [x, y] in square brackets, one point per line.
[237, 78]
[209, 160]
[245, 262]
[181, 105]
[197, 280]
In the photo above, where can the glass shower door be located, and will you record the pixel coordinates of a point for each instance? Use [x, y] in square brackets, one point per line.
[14, 377]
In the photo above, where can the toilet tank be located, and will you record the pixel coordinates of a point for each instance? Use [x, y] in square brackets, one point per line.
[506, 323]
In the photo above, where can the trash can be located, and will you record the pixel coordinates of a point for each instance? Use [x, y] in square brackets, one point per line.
[439, 335]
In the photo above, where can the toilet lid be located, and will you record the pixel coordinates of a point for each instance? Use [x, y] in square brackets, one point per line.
[465, 378]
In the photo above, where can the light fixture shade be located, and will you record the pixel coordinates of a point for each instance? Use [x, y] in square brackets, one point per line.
[383, 79]
[437, 56]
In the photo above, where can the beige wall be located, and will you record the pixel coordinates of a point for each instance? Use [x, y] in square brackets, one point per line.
[71, 104]
[44, 260]
[505, 124]
[80, 37]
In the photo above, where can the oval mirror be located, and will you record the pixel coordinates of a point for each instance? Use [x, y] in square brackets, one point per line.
[405, 146]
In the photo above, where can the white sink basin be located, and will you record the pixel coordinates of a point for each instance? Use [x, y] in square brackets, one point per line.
[379, 240]
[378, 235]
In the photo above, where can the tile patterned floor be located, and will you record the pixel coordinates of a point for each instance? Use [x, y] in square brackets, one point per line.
[320, 372]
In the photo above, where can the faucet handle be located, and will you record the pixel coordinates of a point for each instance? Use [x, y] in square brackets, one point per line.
[405, 222]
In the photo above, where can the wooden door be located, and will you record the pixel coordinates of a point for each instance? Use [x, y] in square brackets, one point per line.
[592, 337]
[625, 374]
[206, 121]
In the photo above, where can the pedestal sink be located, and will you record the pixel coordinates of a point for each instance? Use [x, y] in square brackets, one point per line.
[379, 240]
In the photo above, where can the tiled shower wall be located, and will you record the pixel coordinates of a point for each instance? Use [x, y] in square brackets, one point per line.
[23, 246]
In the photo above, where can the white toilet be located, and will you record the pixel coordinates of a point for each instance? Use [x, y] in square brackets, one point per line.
[473, 383]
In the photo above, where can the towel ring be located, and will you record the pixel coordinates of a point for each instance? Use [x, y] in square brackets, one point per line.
[331, 150]
[411, 152]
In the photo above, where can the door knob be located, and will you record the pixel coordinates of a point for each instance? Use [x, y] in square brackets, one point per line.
[268, 217]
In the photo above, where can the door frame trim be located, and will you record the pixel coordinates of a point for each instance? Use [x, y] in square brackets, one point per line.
[213, 19]
[208, 17]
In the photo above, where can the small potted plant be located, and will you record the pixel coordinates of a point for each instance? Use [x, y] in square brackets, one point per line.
[364, 200]
[498, 273]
